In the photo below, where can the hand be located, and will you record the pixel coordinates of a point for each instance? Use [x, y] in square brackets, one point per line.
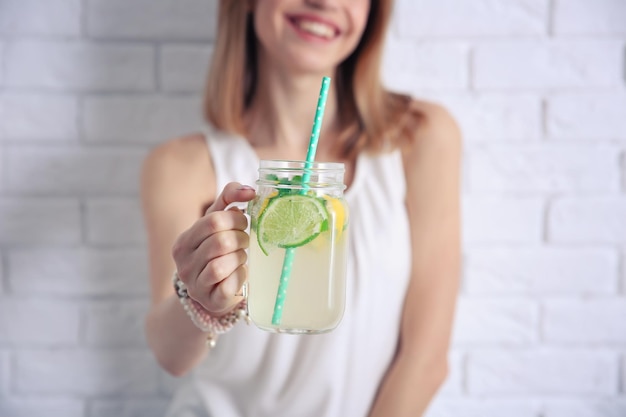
[210, 256]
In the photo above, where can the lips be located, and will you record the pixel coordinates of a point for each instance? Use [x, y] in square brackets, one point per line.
[315, 26]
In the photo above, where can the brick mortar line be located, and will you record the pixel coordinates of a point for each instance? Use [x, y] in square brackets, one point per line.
[84, 232]
[75, 92]
[538, 91]
[624, 63]
[12, 372]
[2, 64]
[86, 38]
[83, 19]
[78, 146]
[6, 288]
[96, 94]
[543, 118]
[541, 313]
[471, 70]
[514, 92]
[622, 165]
[88, 406]
[156, 68]
[545, 223]
[621, 273]
[58, 194]
[514, 194]
[82, 327]
[138, 145]
[550, 19]
[137, 248]
[622, 376]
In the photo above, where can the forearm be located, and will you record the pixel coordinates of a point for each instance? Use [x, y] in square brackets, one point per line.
[408, 387]
[175, 341]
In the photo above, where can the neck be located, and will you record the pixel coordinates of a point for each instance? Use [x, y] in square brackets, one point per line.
[282, 111]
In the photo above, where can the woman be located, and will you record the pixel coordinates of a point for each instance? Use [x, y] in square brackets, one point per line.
[402, 157]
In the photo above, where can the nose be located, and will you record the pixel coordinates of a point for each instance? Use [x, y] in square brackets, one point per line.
[321, 4]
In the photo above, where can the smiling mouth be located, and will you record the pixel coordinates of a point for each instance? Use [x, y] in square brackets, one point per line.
[315, 28]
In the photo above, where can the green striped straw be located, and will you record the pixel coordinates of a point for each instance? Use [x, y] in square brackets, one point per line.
[310, 157]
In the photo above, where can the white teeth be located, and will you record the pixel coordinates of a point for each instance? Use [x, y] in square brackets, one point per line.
[316, 28]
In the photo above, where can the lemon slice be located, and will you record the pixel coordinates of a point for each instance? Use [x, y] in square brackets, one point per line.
[338, 207]
[290, 221]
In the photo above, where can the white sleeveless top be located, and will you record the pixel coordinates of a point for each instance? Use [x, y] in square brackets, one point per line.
[253, 373]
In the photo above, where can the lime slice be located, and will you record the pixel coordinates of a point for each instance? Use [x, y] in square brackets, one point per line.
[290, 221]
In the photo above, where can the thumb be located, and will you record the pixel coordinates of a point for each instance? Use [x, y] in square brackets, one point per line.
[233, 192]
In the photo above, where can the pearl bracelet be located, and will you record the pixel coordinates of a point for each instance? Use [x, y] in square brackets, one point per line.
[213, 326]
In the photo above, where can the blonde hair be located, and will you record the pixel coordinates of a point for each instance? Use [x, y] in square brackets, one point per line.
[372, 118]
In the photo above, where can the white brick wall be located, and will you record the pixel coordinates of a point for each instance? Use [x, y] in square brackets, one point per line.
[41, 406]
[502, 220]
[5, 377]
[56, 322]
[467, 407]
[593, 408]
[59, 170]
[94, 372]
[87, 86]
[623, 373]
[548, 64]
[152, 19]
[1, 63]
[114, 222]
[145, 119]
[542, 372]
[451, 18]
[541, 271]
[40, 17]
[588, 116]
[587, 321]
[426, 66]
[484, 321]
[573, 17]
[40, 221]
[130, 408]
[78, 272]
[79, 66]
[495, 117]
[543, 168]
[32, 117]
[183, 68]
[116, 323]
[588, 220]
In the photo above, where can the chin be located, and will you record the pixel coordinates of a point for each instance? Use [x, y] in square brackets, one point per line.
[310, 63]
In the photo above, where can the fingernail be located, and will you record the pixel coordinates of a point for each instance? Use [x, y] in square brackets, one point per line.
[245, 188]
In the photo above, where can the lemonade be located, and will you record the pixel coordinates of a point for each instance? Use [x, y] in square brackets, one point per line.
[311, 222]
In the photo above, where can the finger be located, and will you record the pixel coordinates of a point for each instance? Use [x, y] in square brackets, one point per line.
[219, 221]
[192, 238]
[233, 192]
[227, 293]
[213, 223]
[215, 246]
[218, 269]
[223, 243]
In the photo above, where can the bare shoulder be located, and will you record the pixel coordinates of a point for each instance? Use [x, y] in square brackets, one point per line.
[179, 167]
[179, 154]
[434, 152]
[437, 127]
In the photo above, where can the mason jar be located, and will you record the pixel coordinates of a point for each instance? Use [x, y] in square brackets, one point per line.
[298, 247]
